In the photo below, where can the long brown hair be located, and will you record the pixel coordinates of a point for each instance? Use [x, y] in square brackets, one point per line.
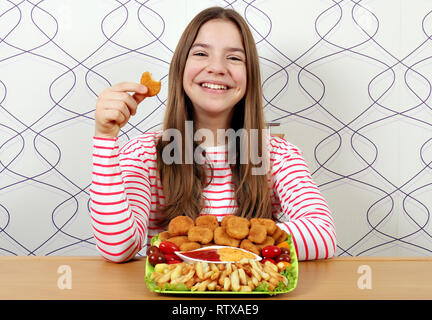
[183, 183]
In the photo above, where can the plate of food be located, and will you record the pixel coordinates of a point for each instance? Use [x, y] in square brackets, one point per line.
[187, 259]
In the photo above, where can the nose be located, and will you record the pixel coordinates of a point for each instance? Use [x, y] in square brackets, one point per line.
[216, 65]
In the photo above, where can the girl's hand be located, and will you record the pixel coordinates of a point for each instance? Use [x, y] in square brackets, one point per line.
[114, 107]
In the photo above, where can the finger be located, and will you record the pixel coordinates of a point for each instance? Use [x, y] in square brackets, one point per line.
[126, 98]
[138, 97]
[129, 87]
[114, 116]
[120, 106]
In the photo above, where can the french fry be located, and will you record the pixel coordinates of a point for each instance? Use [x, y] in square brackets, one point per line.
[216, 272]
[258, 268]
[203, 285]
[189, 283]
[245, 289]
[199, 270]
[228, 268]
[222, 277]
[212, 285]
[255, 281]
[271, 272]
[185, 278]
[270, 286]
[227, 284]
[270, 266]
[250, 283]
[235, 281]
[160, 267]
[205, 266]
[274, 281]
[176, 272]
[256, 274]
[242, 276]
[164, 278]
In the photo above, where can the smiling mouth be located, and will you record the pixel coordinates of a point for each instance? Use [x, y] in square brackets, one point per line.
[214, 86]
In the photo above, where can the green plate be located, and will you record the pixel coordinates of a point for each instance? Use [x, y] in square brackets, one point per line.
[291, 274]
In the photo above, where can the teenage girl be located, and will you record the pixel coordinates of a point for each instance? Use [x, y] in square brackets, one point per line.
[215, 84]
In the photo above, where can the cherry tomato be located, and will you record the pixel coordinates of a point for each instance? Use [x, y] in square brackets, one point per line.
[284, 257]
[171, 256]
[168, 247]
[285, 250]
[156, 258]
[270, 251]
[174, 261]
[268, 259]
[152, 249]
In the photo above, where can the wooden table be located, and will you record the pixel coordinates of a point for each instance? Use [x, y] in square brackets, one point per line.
[93, 278]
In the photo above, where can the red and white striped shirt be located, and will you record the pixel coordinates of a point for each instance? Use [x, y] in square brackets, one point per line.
[126, 192]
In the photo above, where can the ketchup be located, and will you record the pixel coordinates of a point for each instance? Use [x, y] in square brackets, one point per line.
[206, 254]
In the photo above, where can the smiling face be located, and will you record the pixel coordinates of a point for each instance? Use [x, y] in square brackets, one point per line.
[214, 78]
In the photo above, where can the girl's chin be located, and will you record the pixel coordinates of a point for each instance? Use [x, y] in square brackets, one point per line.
[216, 111]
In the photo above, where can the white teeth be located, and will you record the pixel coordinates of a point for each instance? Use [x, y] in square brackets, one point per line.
[214, 86]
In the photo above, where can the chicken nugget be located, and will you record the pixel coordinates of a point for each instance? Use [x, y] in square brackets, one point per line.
[188, 246]
[277, 233]
[283, 237]
[248, 245]
[257, 233]
[237, 227]
[180, 225]
[254, 221]
[153, 87]
[223, 239]
[268, 223]
[208, 221]
[200, 234]
[269, 241]
[178, 240]
[225, 220]
[164, 235]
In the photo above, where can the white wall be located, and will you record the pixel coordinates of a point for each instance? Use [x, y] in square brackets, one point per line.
[349, 82]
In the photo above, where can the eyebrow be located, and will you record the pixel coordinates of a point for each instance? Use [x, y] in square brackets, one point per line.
[207, 46]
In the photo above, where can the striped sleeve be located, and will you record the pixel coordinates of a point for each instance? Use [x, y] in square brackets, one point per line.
[120, 199]
[304, 211]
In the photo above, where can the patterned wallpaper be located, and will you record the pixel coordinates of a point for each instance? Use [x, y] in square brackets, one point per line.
[348, 81]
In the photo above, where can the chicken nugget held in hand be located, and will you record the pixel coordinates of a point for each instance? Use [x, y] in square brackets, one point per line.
[152, 85]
